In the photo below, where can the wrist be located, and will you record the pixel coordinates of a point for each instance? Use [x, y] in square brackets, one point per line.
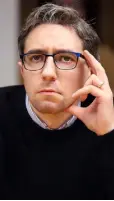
[105, 131]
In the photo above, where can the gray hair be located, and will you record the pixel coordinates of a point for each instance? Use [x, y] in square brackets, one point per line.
[63, 15]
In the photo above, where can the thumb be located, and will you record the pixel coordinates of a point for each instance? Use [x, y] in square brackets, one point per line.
[77, 111]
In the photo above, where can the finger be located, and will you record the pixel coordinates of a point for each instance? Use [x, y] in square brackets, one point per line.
[77, 111]
[83, 97]
[95, 66]
[94, 80]
[90, 89]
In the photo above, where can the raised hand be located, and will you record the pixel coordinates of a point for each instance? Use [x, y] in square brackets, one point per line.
[99, 115]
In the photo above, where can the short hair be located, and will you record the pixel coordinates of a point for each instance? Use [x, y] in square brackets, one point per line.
[55, 14]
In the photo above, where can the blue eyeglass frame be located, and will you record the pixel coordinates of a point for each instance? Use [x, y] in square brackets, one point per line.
[52, 55]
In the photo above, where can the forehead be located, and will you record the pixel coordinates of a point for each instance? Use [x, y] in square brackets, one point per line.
[52, 37]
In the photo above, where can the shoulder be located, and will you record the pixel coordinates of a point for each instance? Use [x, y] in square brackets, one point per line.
[11, 97]
[12, 104]
[11, 89]
[11, 92]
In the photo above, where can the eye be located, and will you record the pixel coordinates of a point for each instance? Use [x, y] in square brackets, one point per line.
[36, 58]
[65, 59]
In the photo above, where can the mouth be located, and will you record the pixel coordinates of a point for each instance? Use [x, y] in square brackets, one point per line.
[49, 91]
[51, 95]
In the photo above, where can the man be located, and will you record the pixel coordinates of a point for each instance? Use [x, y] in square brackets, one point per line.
[57, 134]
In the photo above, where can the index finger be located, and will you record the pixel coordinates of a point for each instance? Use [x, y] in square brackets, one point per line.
[95, 66]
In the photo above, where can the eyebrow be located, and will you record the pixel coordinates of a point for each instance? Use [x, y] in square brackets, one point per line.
[34, 51]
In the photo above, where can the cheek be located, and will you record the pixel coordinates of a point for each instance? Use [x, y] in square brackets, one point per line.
[72, 81]
[31, 82]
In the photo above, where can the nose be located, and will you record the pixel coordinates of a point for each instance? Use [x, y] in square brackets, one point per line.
[49, 70]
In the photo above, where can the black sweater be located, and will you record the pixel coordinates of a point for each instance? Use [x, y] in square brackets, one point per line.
[73, 163]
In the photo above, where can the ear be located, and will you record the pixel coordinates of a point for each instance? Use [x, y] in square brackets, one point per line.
[20, 64]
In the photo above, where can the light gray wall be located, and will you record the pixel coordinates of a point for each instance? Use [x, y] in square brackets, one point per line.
[9, 29]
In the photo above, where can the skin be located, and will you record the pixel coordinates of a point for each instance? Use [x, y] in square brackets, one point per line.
[51, 107]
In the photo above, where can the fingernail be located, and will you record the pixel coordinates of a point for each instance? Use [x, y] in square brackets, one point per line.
[86, 51]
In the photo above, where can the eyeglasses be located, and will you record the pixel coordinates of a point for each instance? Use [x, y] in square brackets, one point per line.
[63, 60]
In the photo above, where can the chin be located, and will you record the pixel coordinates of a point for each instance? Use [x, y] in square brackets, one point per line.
[50, 104]
[49, 107]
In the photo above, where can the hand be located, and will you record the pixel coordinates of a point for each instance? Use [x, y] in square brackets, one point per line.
[99, 115]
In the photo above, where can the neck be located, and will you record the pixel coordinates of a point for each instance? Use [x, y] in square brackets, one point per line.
[53, 121]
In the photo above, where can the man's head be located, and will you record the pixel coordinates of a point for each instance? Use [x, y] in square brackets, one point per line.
[52, 29]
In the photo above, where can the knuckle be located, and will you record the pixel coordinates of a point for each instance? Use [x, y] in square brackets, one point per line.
[93, 76]
[90, 87]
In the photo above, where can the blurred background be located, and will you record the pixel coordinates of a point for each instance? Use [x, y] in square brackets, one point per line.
[99, 13]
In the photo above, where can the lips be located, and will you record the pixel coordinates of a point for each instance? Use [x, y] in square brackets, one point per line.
[49, 90]
[51, 95]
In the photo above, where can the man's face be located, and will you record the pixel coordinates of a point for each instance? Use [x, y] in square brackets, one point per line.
[51, 38]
